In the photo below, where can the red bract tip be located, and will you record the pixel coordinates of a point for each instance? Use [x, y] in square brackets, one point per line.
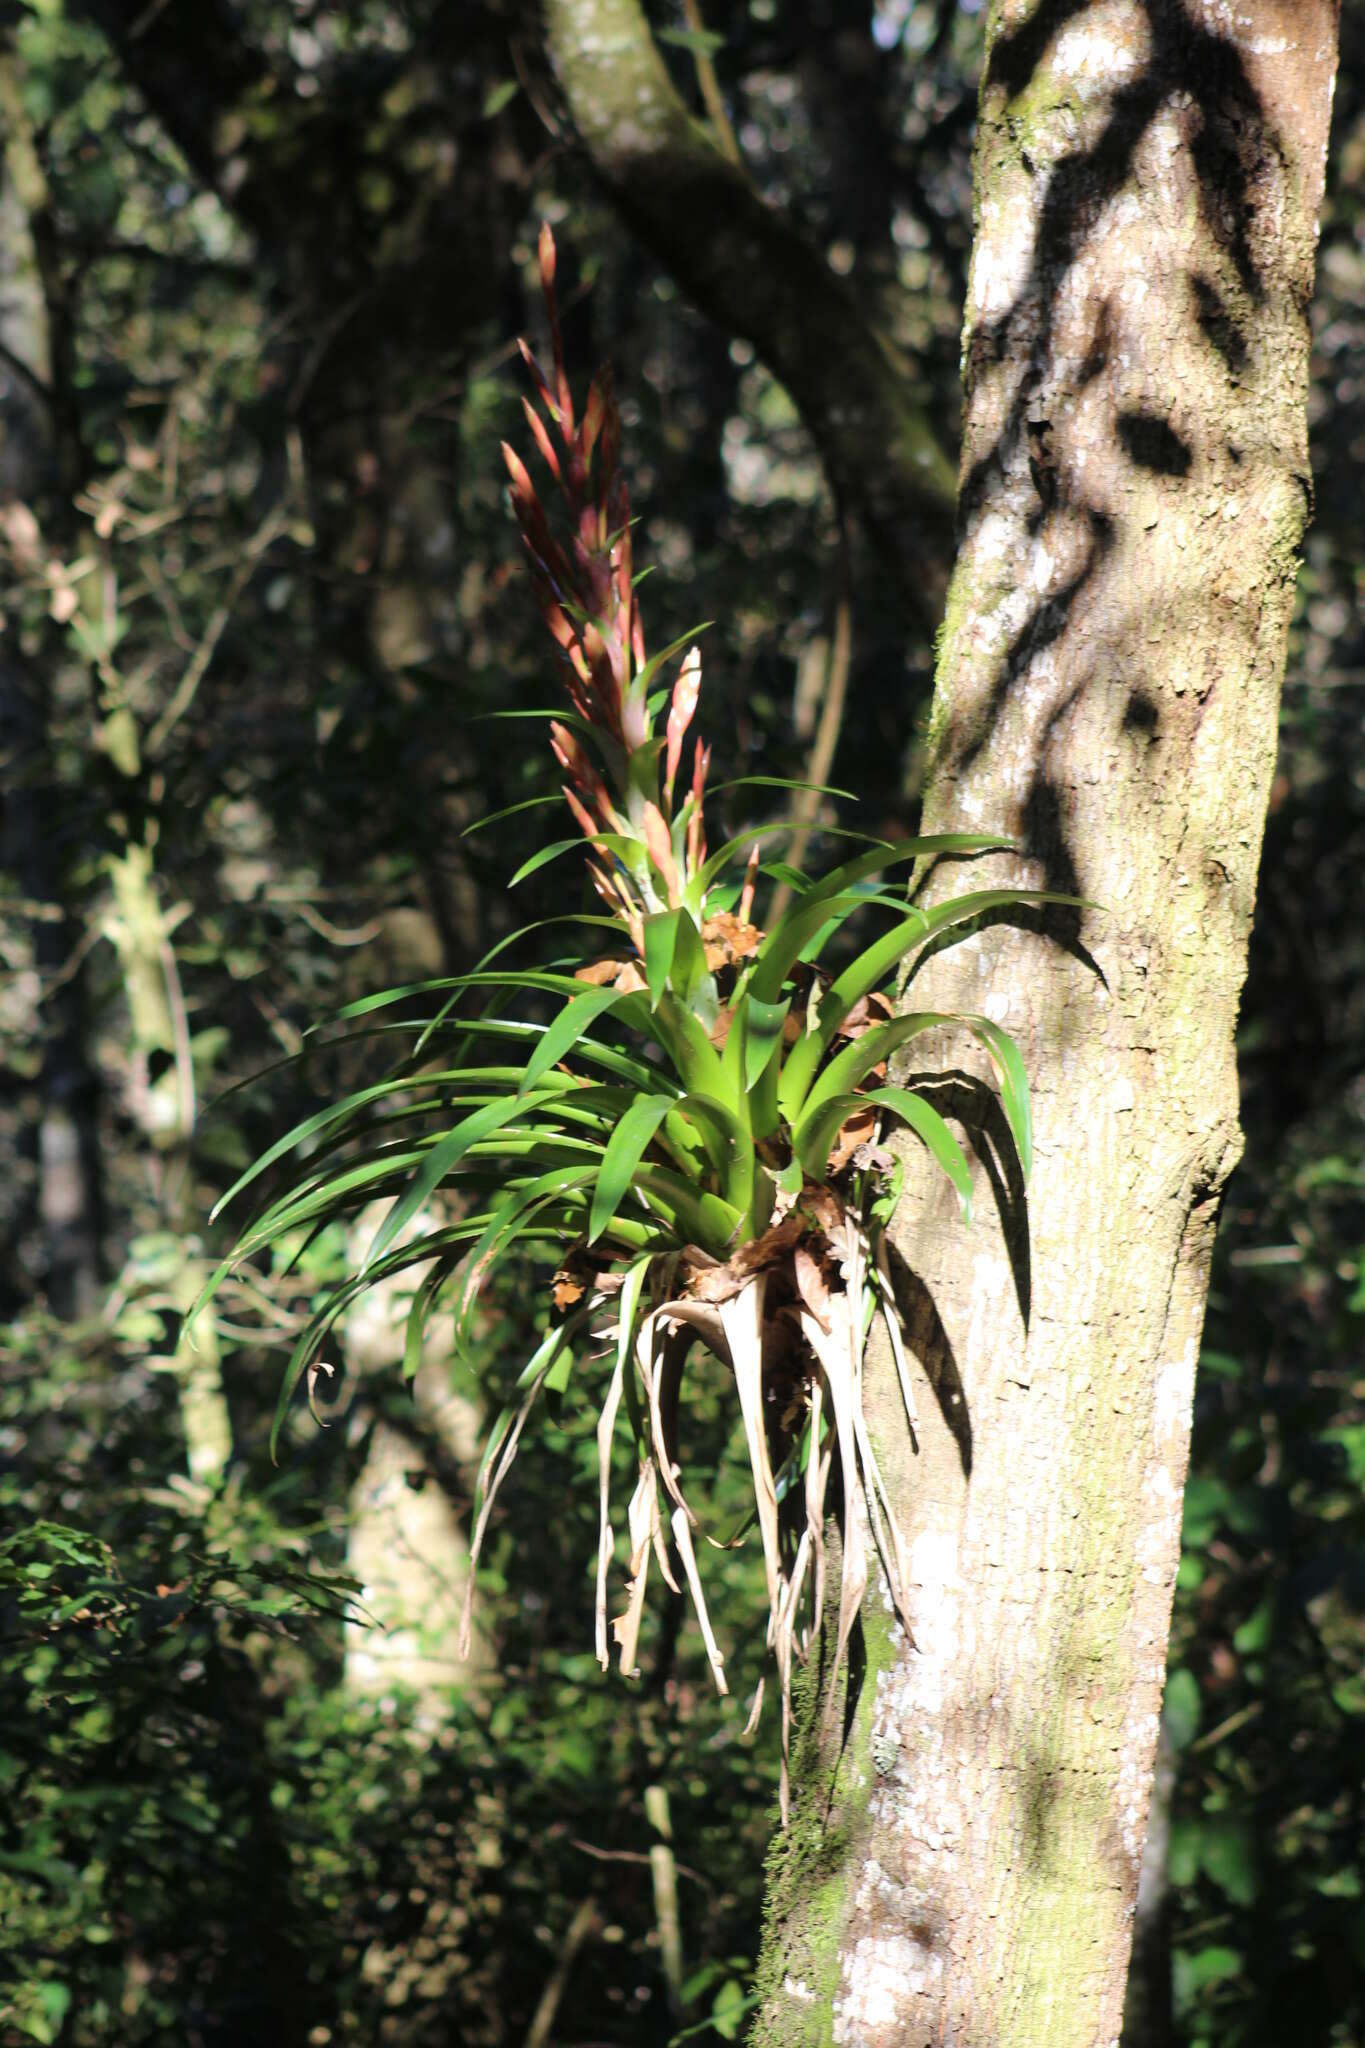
[522, 487]
[547, 397]
[660, 848]
[547, 280]
[542, 439]
[696, 836]
[746, 894]
[685, 693]
[584, 817]
[593, 415]
[699, 767]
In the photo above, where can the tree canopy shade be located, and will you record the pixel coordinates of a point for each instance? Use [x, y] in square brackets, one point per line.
[261, 270]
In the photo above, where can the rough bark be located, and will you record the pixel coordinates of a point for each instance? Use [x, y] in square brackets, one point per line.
[746, 267]
[406, 1534]
[57, 1185]
[1135, 483]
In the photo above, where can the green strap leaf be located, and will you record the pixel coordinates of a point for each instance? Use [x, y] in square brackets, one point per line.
[926, 1123]
[689, 959]
[684, 1038]
[723, 855]
[312, 1337]
[629, 1143]
[641, 680]
[419, 1314]
[661, 937]
[563, 1034]
[848, 1068]
[1004, 1056]
[817, 1131]
[874, 964]
[509, 1219]
[439, 1162]
[529, 803]
[625, 849]
[311, 1127]
[781, 782]
[767, 1022]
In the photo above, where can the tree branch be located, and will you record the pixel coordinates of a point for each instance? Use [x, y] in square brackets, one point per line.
[749, 269]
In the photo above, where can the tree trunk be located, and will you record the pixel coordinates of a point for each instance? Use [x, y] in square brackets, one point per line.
[57, 1184]
[1134, 487]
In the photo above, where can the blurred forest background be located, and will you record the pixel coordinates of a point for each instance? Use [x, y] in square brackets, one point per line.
[261, 267]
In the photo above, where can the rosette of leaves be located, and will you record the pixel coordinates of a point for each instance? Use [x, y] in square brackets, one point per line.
[701, 1129]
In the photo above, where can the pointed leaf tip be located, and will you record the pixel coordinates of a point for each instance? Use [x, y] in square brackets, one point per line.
[685, 693]
[517, 470]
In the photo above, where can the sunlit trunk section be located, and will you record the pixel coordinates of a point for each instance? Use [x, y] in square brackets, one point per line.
[1134, 487]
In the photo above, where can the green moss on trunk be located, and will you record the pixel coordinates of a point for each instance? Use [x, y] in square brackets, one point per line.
[813, 1863]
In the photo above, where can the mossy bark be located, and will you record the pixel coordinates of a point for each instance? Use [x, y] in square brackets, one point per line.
[1135, 483]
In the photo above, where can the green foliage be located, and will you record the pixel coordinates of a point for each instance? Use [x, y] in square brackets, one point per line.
[206, 1831]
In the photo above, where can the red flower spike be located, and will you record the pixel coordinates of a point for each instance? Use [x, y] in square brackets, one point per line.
[565, 747]
[696, 838]
[594, 414]
[610, 444]
[746, 894]
[561, 632]
[546, 252]
[584, 586]
[542, 439]
[590, 825]
[547, 397]
[523, 490]
[660, 848]
[684, 704]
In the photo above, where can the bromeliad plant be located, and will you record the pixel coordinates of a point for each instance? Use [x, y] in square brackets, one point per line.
[704, 1129]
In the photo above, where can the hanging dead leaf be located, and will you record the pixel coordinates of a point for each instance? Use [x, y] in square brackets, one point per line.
[811, 1285]
[621, 974]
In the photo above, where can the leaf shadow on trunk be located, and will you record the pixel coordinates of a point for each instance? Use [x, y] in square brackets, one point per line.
[1232, 129]
[1230, 142]
[969, 1101]
[927, 1338]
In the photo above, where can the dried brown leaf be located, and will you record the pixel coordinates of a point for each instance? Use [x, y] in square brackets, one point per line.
[851, 1139]
[727, 941]
[622, 974]
[810, 1284]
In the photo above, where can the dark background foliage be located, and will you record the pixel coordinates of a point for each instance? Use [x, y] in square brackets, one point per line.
[261, 268]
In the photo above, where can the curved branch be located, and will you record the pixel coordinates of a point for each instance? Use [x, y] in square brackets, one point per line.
[748, 268]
